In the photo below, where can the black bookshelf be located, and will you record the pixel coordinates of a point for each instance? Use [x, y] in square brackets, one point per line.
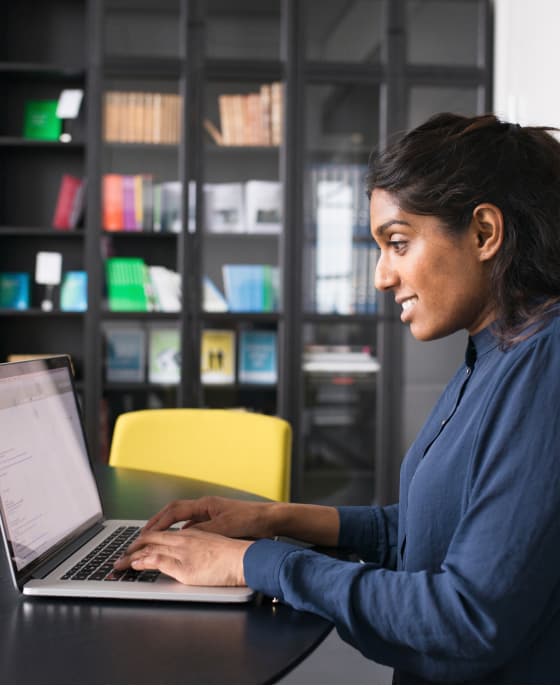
[343, 95]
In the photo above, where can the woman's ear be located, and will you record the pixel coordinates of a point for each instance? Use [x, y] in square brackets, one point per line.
[488, 228]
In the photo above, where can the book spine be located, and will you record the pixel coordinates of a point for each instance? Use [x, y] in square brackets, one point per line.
[129, 216]
[276, 110]
[112, 202]
[69, 188]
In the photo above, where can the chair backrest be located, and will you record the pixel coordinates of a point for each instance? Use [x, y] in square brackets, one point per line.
[243, 450]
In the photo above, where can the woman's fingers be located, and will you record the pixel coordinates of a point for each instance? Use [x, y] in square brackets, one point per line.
[190, 556]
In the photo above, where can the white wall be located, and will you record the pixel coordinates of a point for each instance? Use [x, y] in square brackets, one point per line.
[526, 61]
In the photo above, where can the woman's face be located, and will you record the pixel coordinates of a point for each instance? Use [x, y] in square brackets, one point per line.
[439, 280]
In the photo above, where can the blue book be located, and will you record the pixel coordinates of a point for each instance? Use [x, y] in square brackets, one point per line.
[258, 357]
[73, 292]
[251, 287]
[14, 290]
[125, 353]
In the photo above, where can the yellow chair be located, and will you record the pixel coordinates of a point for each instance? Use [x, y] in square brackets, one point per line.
[243, 450]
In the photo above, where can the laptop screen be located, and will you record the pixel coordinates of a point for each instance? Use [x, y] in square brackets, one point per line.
[47, 490]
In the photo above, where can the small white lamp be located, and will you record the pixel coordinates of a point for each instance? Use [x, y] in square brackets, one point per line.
[48, 272]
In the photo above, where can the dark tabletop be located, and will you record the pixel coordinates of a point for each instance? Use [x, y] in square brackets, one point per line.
[60, 641]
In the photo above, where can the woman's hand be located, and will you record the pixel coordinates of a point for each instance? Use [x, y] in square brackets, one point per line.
[234, 518]
[317, 524]
[193, 557]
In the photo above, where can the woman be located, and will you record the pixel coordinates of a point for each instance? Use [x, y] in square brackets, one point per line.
[461, 579]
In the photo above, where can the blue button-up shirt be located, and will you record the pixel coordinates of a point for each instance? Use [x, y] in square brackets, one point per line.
[461, 580]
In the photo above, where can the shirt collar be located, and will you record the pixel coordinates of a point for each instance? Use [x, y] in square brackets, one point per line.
[479, 344]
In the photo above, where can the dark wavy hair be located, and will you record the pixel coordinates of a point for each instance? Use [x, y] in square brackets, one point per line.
[450, 164]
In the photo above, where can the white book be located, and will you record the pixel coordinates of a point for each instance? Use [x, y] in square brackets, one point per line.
[164, 357]
[213, 299]
[166, 288]
[224, 210]
[263, 206]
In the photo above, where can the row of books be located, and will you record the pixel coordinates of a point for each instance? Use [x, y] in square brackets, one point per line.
[136, 354]
[339, 359]
[340, 278]
[133, 202]
[134, 286]
[15, 291]
[340, 254]
[338, 188]
[141, 117]
[250, 118]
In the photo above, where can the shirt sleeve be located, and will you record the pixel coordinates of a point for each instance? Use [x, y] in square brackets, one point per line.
[371, 532]
[499, 578]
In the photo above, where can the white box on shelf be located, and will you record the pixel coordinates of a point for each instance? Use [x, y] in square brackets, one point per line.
[263, 206]
[224, 208]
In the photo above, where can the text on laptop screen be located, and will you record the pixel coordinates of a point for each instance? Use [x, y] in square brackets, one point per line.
[47, 490]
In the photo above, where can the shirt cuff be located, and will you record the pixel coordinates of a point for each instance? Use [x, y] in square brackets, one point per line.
[262, 563]
[358, 528]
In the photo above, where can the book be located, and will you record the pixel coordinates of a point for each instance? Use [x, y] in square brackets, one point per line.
[112, 202]
[147, 202]
[125, 352]
[213, 299]
[264, 93]
[276, 112]
[40, 121]
[258, 357]
[213, 131]
[166, 201]
[166, 288]
[73, 291]
[164, 355]
[224, 207]
[263, 206]
[129, 190]
[217, 356]
[226, 118]
[15, 290]
[126, 284]
[171, 206]
[69, 203]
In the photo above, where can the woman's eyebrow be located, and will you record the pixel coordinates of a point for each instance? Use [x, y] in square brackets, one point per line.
[382, 228]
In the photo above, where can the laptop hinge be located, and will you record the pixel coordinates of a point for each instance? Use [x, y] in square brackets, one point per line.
[69, 549]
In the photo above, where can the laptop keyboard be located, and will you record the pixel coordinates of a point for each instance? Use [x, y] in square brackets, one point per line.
[97, 565]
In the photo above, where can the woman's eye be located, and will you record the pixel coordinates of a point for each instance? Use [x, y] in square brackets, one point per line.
[398, 246]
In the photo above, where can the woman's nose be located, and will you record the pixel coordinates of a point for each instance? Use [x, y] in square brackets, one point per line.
[385, 276]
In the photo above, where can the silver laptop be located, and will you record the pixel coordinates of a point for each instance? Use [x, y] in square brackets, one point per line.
[56, 537]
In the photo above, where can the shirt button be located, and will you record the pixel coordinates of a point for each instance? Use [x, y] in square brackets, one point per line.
[469, 370]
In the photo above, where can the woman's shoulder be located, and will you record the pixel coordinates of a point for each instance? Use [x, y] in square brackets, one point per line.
[539, 335]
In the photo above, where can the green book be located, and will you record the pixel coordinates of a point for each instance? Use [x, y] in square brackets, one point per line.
[126, 284]
[40, 120]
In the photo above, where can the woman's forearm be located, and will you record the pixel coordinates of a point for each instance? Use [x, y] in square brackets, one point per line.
[318, 524]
